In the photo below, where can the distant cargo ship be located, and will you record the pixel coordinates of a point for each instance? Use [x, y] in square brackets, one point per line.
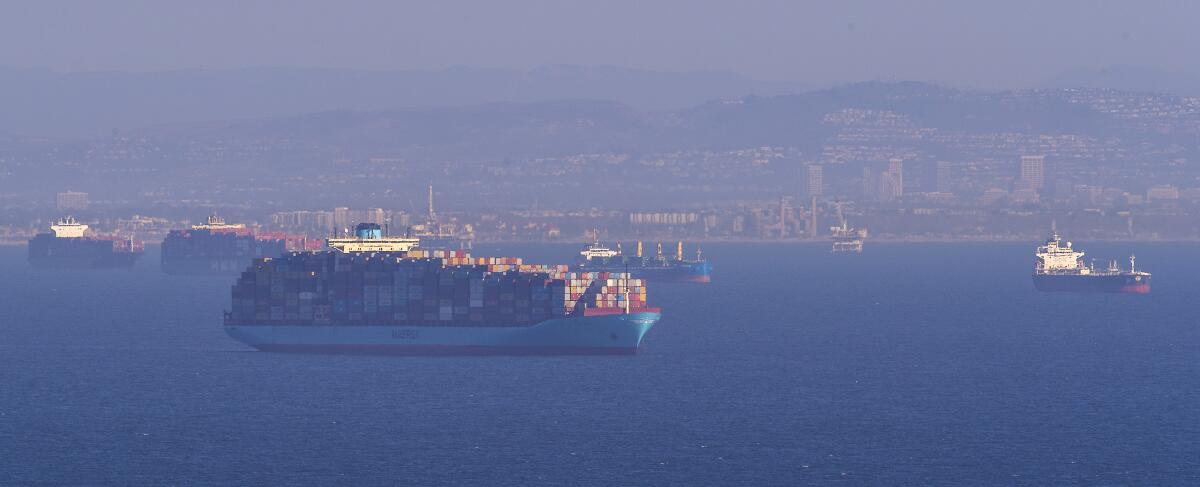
[599, 258]
[846, 239]
[216, 247]
[443, 302]
[1059, 267]
[70, 246]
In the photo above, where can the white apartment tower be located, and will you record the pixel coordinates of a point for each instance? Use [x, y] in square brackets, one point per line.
[816, 180]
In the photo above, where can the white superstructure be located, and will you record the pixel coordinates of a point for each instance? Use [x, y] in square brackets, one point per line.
[846, 238]
[598, 251]
[595, 250]
[68, 228]
[1056, 258]
[382, 244]
[369, 237]
[217, 223]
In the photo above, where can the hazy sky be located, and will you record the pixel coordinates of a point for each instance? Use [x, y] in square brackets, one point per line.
[998, 43]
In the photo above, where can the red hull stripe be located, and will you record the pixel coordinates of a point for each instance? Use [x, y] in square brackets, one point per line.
[1136, 289]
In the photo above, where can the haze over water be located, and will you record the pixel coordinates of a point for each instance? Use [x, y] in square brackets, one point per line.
[910, 364]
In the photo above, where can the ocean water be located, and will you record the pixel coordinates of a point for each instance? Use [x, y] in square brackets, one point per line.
[929, 364]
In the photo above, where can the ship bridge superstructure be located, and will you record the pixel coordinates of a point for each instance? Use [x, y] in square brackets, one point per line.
[1055, 256]
[68, 227]
[369, 237]
[595, 250]
[215, 222]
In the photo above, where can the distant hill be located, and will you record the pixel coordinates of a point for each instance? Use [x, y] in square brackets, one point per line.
[622, 151]
[509, 128]
[49, 103]
[515, 129]
[1128, 78]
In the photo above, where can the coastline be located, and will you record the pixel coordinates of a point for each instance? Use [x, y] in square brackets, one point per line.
[806, 241]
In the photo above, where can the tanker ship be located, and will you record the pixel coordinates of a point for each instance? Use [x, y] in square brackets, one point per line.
[216, 247]
[599, 258]
[1059, 267]
[368, 295]
[69, 245]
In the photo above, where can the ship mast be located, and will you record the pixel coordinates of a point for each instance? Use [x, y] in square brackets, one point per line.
[626, 286]
[432, 215]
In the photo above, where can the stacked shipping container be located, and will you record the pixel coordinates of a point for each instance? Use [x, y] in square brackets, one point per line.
[437, 288]
[233, 242]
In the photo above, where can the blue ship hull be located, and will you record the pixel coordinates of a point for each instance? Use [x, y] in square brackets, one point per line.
[1111, 283]
[605, 334]
[672, 271]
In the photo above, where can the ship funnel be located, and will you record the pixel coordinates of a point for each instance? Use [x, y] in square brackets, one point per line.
[368, 231]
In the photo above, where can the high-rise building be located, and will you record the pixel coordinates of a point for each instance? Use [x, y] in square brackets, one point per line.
[1033, 172]
[341, 219]
[891, 182]
[816, 180]
[945, 177]
[374, 215]
[71, 200]
[870, 184]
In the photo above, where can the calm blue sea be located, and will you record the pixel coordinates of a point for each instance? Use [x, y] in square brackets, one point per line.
[928, 364]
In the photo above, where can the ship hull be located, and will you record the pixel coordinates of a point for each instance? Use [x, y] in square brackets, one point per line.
[207, 253]
[212, 266]
[1117, 283]
[698, 272]
[613, 334]
[48, 252]
[113, 261]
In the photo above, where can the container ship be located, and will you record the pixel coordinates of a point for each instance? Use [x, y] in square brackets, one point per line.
[406, 300]
[69, 245]
[216, 247]
[659, 268]
[1059, 267]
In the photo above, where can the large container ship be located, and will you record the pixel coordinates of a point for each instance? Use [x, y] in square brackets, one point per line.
[659, 268]
[416, 301]
[1060, 267]
[69, 245]
[216, 247]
